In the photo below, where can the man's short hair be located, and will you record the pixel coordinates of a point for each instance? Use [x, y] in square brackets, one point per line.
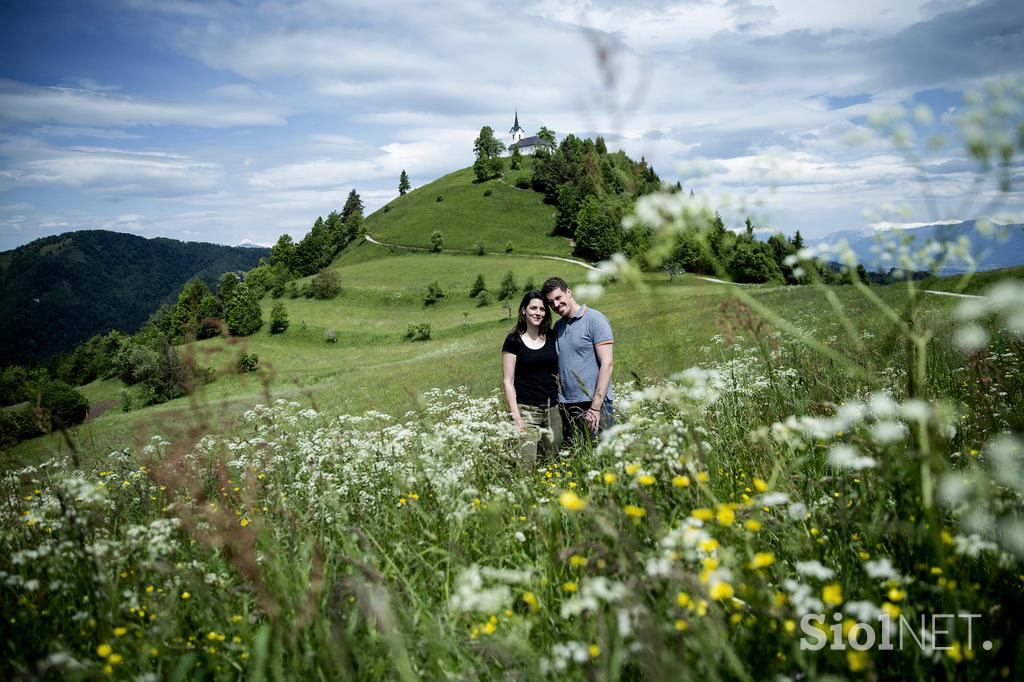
[551, 284]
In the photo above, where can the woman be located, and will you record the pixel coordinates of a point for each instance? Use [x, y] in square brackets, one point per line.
[529, 367]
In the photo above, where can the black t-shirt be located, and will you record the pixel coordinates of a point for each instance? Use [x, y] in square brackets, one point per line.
[535, 370]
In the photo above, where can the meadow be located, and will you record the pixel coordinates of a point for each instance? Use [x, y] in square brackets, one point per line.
[781, 452]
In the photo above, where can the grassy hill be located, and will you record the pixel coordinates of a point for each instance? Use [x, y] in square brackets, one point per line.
[661, 329]
[493, 212]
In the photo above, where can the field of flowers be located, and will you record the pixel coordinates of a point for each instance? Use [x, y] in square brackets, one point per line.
[816, 498]
[765, 515]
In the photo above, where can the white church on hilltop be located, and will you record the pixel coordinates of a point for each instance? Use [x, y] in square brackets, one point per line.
[526, 145]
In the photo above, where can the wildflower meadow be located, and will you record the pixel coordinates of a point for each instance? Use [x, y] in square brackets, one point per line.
[812, 499]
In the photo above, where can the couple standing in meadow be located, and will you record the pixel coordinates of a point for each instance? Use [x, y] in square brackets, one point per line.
[557, 378]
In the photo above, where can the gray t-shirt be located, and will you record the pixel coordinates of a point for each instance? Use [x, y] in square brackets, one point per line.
[577, 340]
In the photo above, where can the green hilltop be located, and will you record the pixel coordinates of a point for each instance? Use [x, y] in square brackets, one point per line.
[468, 212]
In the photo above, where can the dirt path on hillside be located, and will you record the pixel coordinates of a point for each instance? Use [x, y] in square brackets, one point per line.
[580, 263]
[100, 406]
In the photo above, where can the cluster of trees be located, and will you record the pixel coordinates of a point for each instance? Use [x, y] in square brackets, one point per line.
[592, 190]
[50, 404]
[320, 245]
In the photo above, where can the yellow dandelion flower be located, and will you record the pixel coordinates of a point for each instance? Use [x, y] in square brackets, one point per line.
[489, 628]
[891, 610]
[149, 589]
[632, 468]
[577, 560]
[721, 591]
[570, 587]
[702, 608]
[120, 632]
[683, 600]
[572, 501]
[702, 514]
[760, 486]
[761, 560]
[236, 618]
[703, 477]
[186, 595]
[531, 600]
[211, 635]
[896, 594]
[114, 659]
[857, 661]
[646, 479]
[753, 525]
[946, 538]
[634, 511]
[594, 650]
[243, 522]
[864, 556]
[709, 545]
[832, 594]
[681, 481]
[609, 478]
[789, 625]
[725, 515]
[103, 650]
[681, 625]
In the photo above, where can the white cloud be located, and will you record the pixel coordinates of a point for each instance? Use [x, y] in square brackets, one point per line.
[22, 103]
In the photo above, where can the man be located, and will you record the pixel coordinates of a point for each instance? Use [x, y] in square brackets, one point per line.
[583, 338]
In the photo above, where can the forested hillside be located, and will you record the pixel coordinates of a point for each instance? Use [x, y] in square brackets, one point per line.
[58, 291]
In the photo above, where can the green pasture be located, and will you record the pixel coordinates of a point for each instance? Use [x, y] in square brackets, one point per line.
[467, 215]
[661, 327]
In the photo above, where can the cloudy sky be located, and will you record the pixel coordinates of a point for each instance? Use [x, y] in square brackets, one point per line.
[238, 121]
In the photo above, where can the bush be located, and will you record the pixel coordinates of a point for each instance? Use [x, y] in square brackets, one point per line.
[529, 286]
[509, 247]
[278, 318]
[524, 181]
[440, 198]
[487, 192]
[434, 293]
[325, 285]
[62, 406]
[480, 248]
[478, 286]
[483, 299]
[508, 288]
[436, 241]
[247, 363]
[330, 336]
[417, 332]
[387, 208]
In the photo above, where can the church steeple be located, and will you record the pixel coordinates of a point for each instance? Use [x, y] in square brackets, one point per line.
[516, 130]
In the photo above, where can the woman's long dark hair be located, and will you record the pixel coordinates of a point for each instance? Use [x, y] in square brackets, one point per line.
[545, 325]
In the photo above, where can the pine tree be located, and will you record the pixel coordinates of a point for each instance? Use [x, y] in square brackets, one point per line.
[278, 318]
[403, 183]
[478, 286]
[508, 288]
[798, 241]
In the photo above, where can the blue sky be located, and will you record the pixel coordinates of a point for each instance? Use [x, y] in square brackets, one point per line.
[240, 121]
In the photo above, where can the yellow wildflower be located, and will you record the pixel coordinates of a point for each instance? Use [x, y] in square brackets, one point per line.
[725, 515]
[632, 468]
[761, 560]
[594, 650]
[891, 610]
[752, 525]
[702, 514]
[646, 479]
[709, 545]
[832, 594]
[703, 477]
[609, 478]
[720, 591]
[570, 586]
[896, 594]
[572, 501]
[680, 481]
[856, 660]
[531, 600]
[114, 659]
[683, 600]
[577, 560]
[120, 632]
[103, 650]
[681, 625]
[760, 485]
[634, 511]
[186, 595]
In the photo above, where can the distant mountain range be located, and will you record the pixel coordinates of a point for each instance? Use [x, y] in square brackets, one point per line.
[59, 291]
[990, 251]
